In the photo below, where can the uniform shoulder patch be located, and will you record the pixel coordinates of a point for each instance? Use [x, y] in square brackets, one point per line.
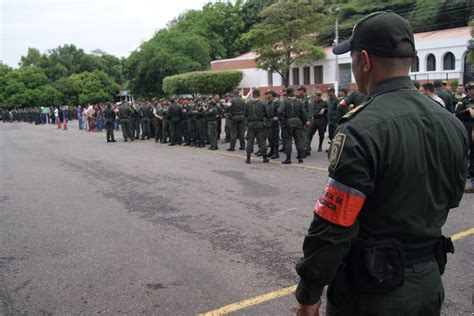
[337, 145]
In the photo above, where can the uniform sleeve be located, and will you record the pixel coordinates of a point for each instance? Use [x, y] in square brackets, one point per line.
[335, 225]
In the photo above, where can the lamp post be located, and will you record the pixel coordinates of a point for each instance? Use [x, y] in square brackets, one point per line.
[335, 10]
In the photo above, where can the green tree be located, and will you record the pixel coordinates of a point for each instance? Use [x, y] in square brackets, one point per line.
[219, 23]
[33, 58]
[286, 35]
[93, 87]
[168, 53]
[27, 86]
[202, 82]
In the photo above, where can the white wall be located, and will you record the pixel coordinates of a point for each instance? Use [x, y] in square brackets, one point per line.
[456, 45]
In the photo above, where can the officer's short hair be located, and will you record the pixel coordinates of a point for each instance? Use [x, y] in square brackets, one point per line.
[437, 84]
[346, 92]
[318, 93]
[469, 86]
[290, 91]
[331, 90]
[429, 87]
[302, 88]
[256, 92]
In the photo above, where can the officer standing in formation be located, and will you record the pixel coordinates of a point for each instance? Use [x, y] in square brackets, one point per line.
[256, 115]
[236, 115]
[125, 115]
[319, 120]
[110, 117]
[293, 119]
[465, 112]
[376, 236]
[272, 124]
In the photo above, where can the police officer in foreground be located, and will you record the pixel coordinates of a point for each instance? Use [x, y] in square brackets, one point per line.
[376, 234]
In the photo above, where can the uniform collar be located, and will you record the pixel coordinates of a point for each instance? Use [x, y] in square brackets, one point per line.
[392, 84]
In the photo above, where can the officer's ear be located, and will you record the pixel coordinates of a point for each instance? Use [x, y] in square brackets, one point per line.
[366, 61]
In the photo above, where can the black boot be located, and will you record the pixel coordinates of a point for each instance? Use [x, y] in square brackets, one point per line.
[248, 159]
[271, 152]
[265, 159]
[288, 159]
[275, 153]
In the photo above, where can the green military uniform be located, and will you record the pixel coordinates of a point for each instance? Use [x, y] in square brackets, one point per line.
[237, 122]
[293, 118]
[125, 114]
[191, 123]
[332, 115]
[463, 114]
[157, 120]
[256, 114]
[397, 166]
[273, 125]
[175, 115]
[318, 122]
[109, 116]
[307, 104]
[198, 115]
[211, 113]
[135, 120]
[145, 121]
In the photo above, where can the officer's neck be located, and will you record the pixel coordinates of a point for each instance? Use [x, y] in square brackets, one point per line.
[376, 78]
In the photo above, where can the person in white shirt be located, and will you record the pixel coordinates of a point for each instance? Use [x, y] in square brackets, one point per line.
[429, 91]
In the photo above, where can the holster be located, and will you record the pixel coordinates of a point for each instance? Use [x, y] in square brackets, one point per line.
[377, 265]
[442, 246]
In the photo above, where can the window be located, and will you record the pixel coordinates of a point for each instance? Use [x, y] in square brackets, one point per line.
[448, 61]
[296, 76]
[318, 74]
[430, 63]
[415, 64]
[306, 75]
[270, 78]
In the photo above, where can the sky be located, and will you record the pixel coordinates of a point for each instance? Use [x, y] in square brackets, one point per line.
[115, 26]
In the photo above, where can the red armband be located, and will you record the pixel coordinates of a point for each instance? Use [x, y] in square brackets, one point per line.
[343, 103]
[339, 203]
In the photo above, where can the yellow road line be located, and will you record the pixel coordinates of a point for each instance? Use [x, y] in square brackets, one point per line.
[463, 234]
[288, 290]
[271, 161]
[251, 302]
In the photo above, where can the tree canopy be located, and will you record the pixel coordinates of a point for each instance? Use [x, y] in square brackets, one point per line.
[287, 35]
[202, 82]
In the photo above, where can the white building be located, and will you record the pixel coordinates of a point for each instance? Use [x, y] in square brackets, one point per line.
[441, 55]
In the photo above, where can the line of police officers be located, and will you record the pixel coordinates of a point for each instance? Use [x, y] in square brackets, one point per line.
[271, 120]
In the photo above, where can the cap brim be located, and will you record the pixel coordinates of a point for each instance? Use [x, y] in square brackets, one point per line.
[342, 48]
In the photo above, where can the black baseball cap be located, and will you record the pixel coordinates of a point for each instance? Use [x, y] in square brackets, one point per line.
[379, 33]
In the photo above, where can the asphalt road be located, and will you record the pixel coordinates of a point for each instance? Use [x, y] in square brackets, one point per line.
[88, 227]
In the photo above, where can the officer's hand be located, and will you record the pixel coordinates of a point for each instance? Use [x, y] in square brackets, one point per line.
[308, 310]
[322, 111]
[308, 123]
[275, 118]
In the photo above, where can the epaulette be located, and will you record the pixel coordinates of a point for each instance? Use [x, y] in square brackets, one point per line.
[354, 111]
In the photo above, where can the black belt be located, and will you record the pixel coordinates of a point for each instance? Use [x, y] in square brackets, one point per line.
[419, 255]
